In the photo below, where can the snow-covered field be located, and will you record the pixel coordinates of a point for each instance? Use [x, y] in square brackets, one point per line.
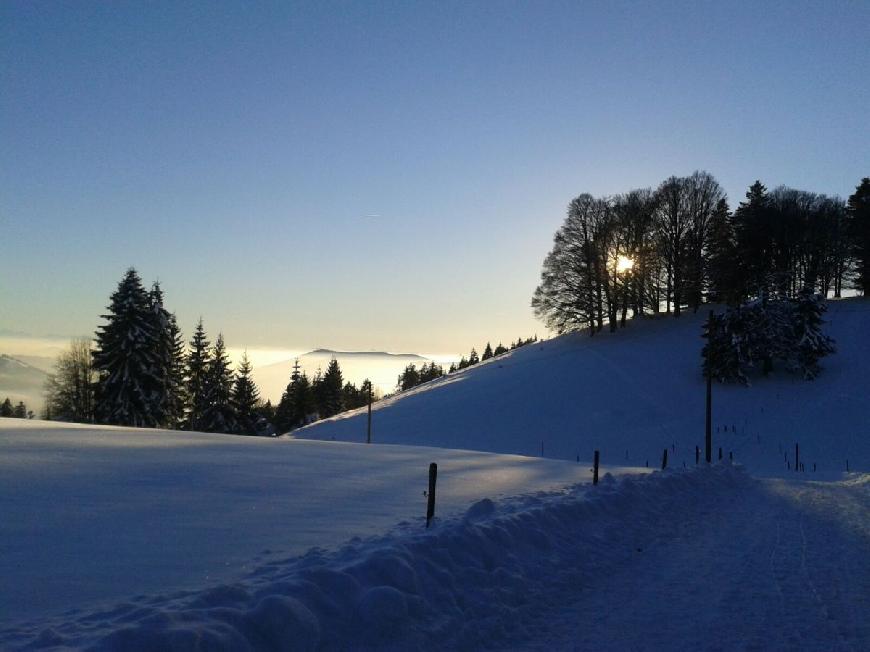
[124, 539]
[633, 393]
[681, 560]
[94, 515]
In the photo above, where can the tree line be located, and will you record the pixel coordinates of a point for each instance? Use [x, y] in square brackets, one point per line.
[680, 245]
[412, 377]
[139, 372]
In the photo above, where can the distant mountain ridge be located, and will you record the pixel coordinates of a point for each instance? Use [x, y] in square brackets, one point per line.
[9, 364]
[381, 368]
[20, 381]
[343, 354]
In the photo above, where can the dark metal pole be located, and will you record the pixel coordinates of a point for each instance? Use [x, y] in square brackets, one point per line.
[708, 439]
[596, 457]
[369, 433]
[430, 505]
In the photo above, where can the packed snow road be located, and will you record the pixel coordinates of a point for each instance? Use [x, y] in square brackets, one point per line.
[784, 566]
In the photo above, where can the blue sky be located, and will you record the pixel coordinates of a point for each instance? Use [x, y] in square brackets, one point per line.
[368, 175]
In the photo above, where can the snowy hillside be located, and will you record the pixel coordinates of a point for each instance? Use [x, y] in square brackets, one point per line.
[631, 394]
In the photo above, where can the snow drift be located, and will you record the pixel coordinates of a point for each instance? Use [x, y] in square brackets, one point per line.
[95, 514]
[480, 580]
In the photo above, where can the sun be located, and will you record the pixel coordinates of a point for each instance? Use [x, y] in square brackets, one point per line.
[623, 264]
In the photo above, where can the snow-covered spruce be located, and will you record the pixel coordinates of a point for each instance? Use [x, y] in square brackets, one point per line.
[753, 336]
[138, 359]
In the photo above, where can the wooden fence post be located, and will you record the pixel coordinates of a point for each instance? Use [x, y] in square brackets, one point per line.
[697, 455]
[665, 459]
[595, 459]
[720, 452]
[430, 505]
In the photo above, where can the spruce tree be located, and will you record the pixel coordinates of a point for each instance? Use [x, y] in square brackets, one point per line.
[753, 231]
[159, 388]
[297, 402]
[472, 358]
[219, 415]
[809, 344]
[20, 411]
[500, 349]
[6, 409]
[198, 361]
[487, 352]
[858, 209]
[245, 398]
[352, 397]
[176, 385]
[722, 261]
[724, 353]
[332, 386]
[267, 411]
[125, 359]
[430, 371]
[409, 378]
[753, 336]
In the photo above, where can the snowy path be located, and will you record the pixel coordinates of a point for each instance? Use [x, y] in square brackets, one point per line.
[782, 566]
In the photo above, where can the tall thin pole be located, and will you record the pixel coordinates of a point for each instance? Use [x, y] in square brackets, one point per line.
[708, 439]
[596, 458]
[369, 433]
[430, 495]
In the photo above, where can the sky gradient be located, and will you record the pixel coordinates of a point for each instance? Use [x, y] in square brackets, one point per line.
[384, 176]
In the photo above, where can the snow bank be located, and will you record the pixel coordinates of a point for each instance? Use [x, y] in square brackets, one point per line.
[482, 579]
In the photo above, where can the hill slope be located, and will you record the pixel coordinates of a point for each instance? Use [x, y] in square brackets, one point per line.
[631, 394]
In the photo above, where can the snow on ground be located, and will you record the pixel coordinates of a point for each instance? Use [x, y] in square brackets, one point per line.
[123, 539]
[96, 514]
[681, 560]
[633, 393]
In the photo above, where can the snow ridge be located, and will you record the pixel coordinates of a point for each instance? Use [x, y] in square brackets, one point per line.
[487, 579]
